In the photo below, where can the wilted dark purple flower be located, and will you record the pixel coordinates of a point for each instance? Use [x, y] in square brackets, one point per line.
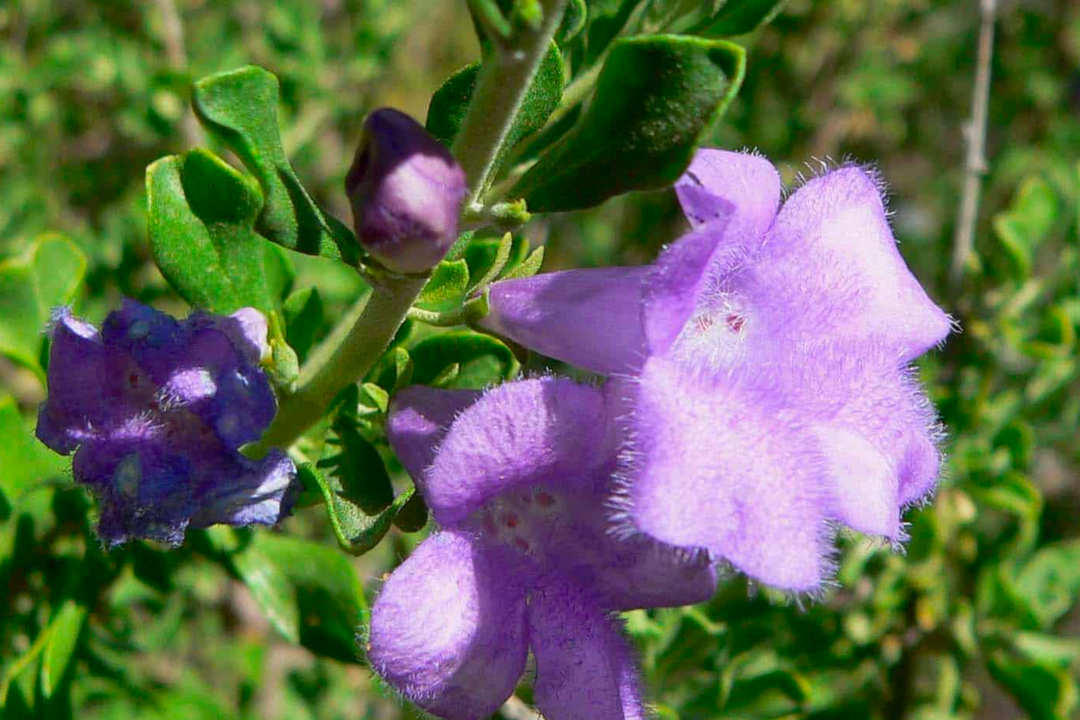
[524, 559]
[406, 191]
[764, 361]
[155, 409]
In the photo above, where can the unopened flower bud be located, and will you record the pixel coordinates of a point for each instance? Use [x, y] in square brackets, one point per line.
[406, 191]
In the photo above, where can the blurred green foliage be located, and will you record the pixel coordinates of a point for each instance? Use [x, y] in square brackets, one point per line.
[978, 619]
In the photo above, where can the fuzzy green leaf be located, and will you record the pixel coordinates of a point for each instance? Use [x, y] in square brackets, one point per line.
[1029, 220]
[357, 531]
[738, 17]
[202, 213]
[64, 633]
[655, 99]
[528, 267]
[447, 286]
[240, 109]
[48, 274]
[361, 479]
[1045, 692]
[481, 359]
[572, 22]
[309, 592]
[305, 320]
[1050, 582]
[451, 101]
[24, 460]
[607, 18]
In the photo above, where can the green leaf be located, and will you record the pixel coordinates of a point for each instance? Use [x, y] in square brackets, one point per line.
[240, 109]
[356, 530]
[373, 396]
[446, 376]
[489, 268]
[1027, 222]
[1047, 649]
[413, 515]
[359, 472]
[1045, 692]
[48, 274]
[1049, 583]
[482, 360]
[280, 273]
[451, 101]
[447, 286]
[24, 460]
[22, 671]
[485, 258]
[1015, 494]
[309, 592]
[738, 17]
[201, 233]
[491, 23]
[393, 371]
[1056, 337]
[64, 633]
[607, 18]
[47, 658]
[305, 320]
[655, 99]
[529, 267]
[573, 21]
[1019, 438]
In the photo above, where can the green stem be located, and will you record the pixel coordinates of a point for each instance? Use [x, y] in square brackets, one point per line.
[344, 357]
[362, 336]
[501, 86]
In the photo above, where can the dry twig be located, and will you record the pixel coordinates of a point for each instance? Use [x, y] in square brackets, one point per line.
[975, 140]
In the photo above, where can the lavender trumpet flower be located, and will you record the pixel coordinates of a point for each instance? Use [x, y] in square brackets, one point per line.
[524, 559]
[406, 191]
[763, 361]
[155, 410]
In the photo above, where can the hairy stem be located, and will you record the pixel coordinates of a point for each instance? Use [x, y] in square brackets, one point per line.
[975, 138]
[504, 79]
[363, 334]
[344, 357]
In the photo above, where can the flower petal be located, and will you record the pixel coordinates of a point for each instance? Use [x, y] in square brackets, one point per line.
[720, 183]
[243, 406]
[247, 328]
[642, 573]
[525, 432]
[448, 629]
[78, 361]
[258, 496]
[675, 281]
[418, 419]
[590, 318]
[719, 463]
[877, 432]
[584, 667]
[830, 267]
[143, 489]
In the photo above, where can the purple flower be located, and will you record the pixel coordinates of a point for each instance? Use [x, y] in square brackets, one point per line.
[763, 360]
[155, 410]
[524, 560]
[406, 191]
